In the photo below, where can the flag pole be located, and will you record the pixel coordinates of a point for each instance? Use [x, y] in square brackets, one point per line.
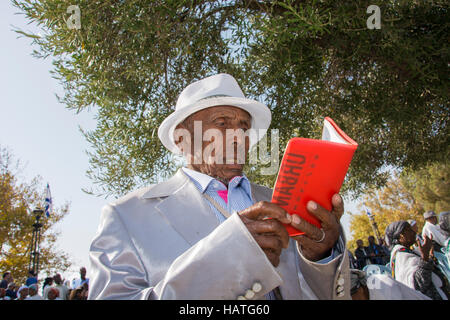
[374, 226]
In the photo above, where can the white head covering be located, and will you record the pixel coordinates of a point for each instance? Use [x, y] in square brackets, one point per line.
[20, 289]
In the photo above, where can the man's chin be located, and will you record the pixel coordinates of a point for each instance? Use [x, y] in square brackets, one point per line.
[232, 170]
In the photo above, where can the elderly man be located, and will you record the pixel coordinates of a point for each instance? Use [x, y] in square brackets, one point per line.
[208, 232]
[432, 230]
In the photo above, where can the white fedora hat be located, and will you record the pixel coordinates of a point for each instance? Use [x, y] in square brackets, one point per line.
[218, 90]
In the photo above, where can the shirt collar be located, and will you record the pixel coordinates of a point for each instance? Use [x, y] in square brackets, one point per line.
[204, 181]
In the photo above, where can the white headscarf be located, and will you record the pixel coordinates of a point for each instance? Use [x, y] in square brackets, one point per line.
[20, 289]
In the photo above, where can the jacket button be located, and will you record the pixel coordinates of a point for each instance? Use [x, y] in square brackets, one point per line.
[340, 294]
[339, 289]
[341, 281]
[241, 298]
[257, 287]
[249, 294]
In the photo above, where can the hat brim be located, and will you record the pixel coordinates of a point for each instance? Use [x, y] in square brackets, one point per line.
[259, 112]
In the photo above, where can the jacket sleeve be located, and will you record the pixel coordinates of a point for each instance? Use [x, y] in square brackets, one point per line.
[330, 280]
[223, 265]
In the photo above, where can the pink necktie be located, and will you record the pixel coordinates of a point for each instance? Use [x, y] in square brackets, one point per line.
[223, 194]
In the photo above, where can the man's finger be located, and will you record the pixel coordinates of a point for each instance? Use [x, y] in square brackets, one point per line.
[264, 209]
[305, 242]
[338, 206]
[272, 243]
[271, 226]
[310, 230]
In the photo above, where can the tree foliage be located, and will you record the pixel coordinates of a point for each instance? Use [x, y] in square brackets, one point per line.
[430, 185]
[387, 88]
[17, 200]
[405, 196]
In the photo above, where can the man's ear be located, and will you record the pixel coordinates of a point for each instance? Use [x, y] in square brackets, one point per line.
[182, 139]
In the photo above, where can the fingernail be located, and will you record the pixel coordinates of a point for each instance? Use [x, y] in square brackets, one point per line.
[312, 205]
[295, 219]
[337, 198]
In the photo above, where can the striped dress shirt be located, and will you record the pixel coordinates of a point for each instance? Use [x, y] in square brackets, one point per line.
[238, 196]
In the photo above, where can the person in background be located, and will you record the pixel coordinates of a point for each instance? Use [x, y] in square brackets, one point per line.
[48, 282]
[3, 295]
[53, 294]
[7, 278]
[33, 292]
[82, 279]
[85, 291]
[413, 225]
[22, 293]
[444, 223]
[416, 269]
[68, 283]
[432, 230]
[386, 252]
[31, 278]
[11, 291]
[77, 294]
[376, 253]
[63, 290]
[361, 254]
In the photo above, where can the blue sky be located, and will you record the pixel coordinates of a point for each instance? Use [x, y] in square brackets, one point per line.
[45, 136]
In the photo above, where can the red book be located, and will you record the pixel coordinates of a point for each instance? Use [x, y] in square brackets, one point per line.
[313, 170]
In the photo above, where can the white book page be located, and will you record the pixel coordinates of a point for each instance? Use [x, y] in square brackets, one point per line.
[330, 134]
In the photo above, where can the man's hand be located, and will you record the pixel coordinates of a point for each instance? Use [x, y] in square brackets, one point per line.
[270, 234]
[311, 249]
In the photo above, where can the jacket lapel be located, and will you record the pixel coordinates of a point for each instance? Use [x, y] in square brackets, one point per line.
[184, 208]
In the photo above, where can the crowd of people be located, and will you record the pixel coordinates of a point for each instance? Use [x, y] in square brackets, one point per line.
[409, 255]
[417, 260]
[53, 288]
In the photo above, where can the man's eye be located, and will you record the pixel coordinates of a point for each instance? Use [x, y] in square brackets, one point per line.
[220, 123]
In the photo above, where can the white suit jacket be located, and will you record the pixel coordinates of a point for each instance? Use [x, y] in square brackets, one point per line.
[163, 242]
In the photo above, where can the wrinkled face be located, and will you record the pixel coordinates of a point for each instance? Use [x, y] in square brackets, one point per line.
[222, 148]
